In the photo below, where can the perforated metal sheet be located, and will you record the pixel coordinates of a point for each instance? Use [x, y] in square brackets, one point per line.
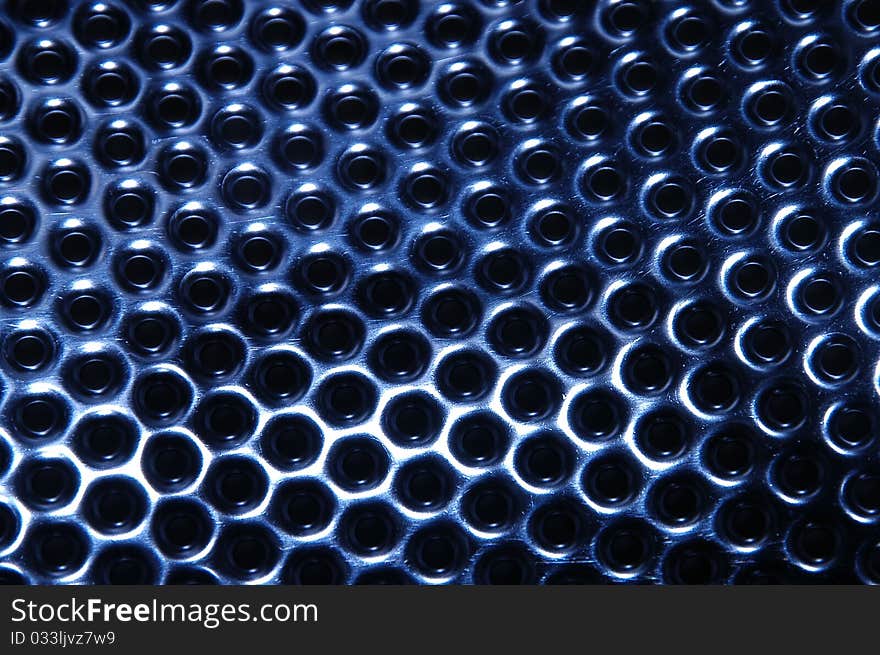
[397, 291]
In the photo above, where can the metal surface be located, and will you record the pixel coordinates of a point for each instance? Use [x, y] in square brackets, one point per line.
[409, 291]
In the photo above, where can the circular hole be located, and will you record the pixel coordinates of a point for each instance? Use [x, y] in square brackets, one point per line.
[412, 419]
[358, 463]
[851, 428]
[838, 121]
[427, 190]
[478, 440]
[531, 395]
[543, 461]
[647, 370]
[697, 562]
[567, 289]
[476, 148]
[704, 93]
[22, 287]
[526, 105]
[364, 171]
[815, 544]
[29, 351]
[57, 549]
[783, 408]
[716, 389]
[672, 199]
[514, 45]
[517, 332]
[451, 313]
[466, 87]
[303, 508]
[438, 550]
[555, 227]
[95, 375]
[291, 442]
[315, 566]
[745, 522]
[597, 415]
[310, 211]
[626, 547]
[115, 505]
[721, 153]
[804, 232]
[280, 377]
[699, 325]
[575, 61]
[678, 501]
[633, 307]
[771, 106]
[77, 248]
[151, 334]
[17, 222]
[752, 279]
[820, 59]
[620, 245]
[161, 397]
[466, 375]
[403, 67]
[729, 456]
[611, 481]
[820, 295]
[504, 271]
[104, 441]
[787, 168]
[656, 138]
[248, 550]
[40, 416]
[663, 436]
[171, 462]
[754, 46]
[386, 294]
[866, 247]
[400, 355]
[260, 252]
[225, 419]
[798, 474]
[540, 165]
[588, 122]
[289, 87]
[690, 32]
[737, 216]
[47, 484]
[581, 351]
[862, 493]
[640, 77]
[369, 529]
[855, 183]
[767, 343]
[181, 528]
[504, 566]
[376, 232]
[245, 189]
[235, 485]
[837, 358]
[415, 130]
[625, 17]
[557, 526]
[425, 485]
[347, 398]
[605, 183]
[227, 67]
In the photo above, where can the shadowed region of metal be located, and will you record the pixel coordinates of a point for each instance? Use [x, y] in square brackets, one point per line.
[421, 291]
